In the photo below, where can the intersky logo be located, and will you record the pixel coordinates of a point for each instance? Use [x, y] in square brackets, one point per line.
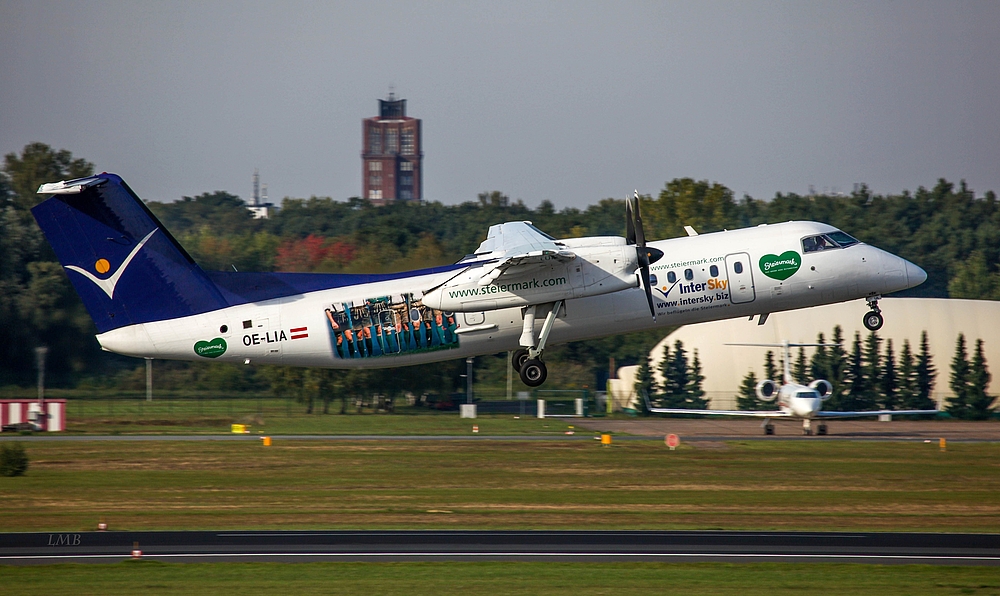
[108, 285]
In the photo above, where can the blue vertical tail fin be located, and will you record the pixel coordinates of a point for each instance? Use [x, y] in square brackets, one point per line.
[125, 266]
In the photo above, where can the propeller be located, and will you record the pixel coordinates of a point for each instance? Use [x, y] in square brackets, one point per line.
[645, 255]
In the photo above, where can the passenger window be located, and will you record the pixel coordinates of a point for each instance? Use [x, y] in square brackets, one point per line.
[671, 277]
[652, 280]
[688, 274]
[714, 271]
[738, 267]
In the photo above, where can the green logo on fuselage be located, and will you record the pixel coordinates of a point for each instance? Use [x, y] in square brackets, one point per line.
[781, 266]
[211, 349]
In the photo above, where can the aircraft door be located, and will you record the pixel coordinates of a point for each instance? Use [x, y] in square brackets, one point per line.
[740, 273]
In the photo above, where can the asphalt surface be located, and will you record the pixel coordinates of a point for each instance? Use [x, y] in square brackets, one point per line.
[298, 546]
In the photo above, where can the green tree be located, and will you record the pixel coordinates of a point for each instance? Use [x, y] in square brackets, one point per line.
[907, 392]
[694, 394]
[859, 393]
[800, 368]
[973, 279]
[770, 370]
[746, 399]
[645, 383]
[980, 403]
[889, 382]
[38, 164]
[676, 377]
[926, 375]
[958, 403]
[835, 369]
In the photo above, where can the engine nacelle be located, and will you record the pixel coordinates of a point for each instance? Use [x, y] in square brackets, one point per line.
[767, 390]
[823, 387]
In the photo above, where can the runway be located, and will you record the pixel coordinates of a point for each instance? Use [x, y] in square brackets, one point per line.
[448, 545]
[641, 429]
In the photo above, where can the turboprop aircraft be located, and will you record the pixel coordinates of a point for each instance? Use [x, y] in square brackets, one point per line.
[148, 298]
[795, 401]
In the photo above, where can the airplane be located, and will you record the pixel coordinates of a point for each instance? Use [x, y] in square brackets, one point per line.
[148, 298]
[795, 401]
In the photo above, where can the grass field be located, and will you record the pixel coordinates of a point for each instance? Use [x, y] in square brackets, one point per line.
[514, 485]
[280, 416]
[443, 579]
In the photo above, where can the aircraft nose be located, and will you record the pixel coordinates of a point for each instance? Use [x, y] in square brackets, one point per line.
[914, 275]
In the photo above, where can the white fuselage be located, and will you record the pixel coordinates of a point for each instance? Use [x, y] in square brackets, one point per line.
[718, 276]
[799, 401]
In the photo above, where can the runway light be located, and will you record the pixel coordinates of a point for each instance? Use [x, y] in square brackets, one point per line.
[475, 428]
[136, 553]
[102, 525]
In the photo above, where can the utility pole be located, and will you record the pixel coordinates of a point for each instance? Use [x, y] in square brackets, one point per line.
[510, 374]
[468, 380]
[149, 379]
[40, 353]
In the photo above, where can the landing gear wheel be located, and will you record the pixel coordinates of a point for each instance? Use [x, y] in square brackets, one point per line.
[518, 359]
[873, 321]
[769, 429]
[821, 430]
[533, 372]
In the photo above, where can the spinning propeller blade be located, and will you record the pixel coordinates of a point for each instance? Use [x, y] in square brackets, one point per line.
[635, 235]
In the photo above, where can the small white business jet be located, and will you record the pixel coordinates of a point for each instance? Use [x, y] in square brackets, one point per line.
[149, 299]
[795, 401]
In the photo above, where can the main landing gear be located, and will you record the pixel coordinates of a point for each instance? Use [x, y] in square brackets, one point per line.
[527, 360]
[873, 319]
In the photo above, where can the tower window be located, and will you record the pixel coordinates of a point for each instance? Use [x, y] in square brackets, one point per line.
[392, 141]
[407, 142]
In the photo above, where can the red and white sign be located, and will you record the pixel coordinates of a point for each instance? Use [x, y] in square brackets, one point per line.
[299, 332]
[672, 441]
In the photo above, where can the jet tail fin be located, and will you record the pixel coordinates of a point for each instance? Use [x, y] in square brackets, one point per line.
[125, 266]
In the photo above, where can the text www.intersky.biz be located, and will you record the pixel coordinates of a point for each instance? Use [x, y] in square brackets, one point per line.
[511, 287]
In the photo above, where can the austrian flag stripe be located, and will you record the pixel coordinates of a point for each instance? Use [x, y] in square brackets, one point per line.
[299, 332]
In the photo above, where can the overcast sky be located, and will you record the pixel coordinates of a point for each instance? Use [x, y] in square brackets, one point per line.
[566, 101]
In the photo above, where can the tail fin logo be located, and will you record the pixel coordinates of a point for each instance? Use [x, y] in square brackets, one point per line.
[108, 285]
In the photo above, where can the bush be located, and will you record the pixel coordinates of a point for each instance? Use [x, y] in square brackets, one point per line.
[13, 459]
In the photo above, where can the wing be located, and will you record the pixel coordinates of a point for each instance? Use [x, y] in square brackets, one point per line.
[832, 414]
[748, 413]
[515, 237]
[518, 246]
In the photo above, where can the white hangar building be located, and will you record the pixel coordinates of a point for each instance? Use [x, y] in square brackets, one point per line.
[905, 319]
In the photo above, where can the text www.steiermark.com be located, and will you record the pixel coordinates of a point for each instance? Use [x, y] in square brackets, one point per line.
[511, 287]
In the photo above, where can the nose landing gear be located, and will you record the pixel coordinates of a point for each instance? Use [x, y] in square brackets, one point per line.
[873, 319]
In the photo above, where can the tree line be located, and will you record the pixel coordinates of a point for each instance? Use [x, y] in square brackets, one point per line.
[868, 378]
[951, 233]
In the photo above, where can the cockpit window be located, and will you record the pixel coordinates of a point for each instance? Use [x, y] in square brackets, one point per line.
[842, 239]
[836, 239]
[817, 243]
[806, 394]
